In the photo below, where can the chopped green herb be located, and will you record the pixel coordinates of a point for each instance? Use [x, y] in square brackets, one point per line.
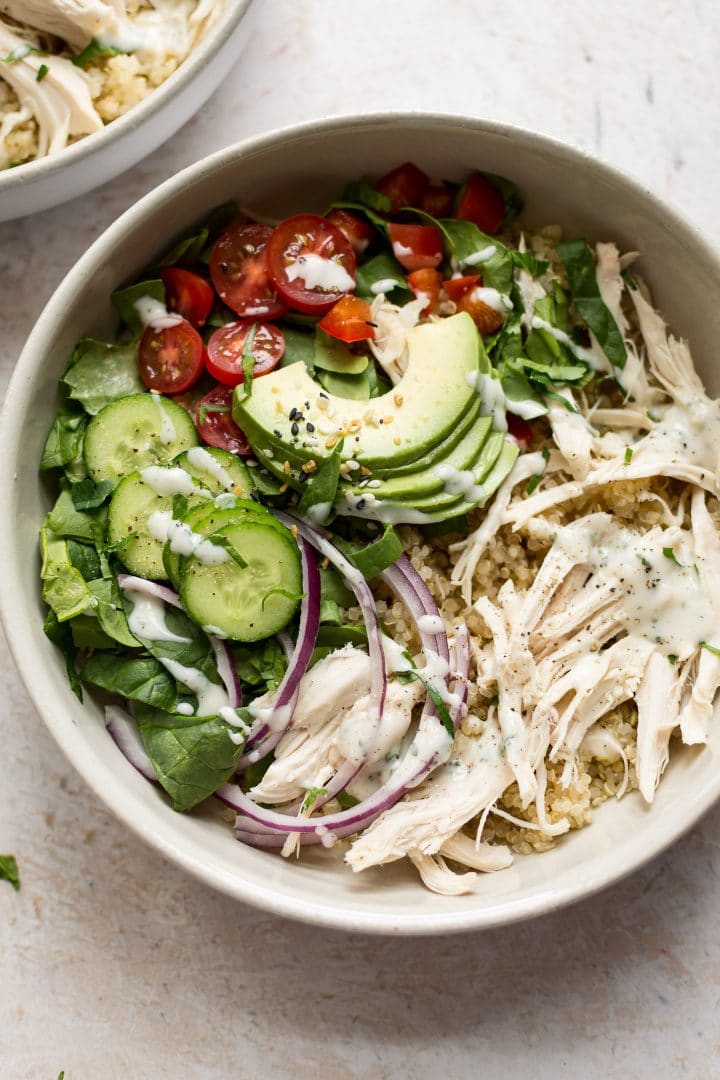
[42, 72]
[710, 648]
[628, 454]
[18, 54]
[313, 794]
[672, 658]
[96, 50]
[248, 360]
[9, 870]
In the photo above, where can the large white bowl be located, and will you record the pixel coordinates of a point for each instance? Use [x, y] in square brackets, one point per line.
[296, 170]
[100, 157]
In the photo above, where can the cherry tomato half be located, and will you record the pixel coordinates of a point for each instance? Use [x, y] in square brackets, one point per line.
[358, 232]
[426, 283]
[239, 272]
[187, 294]
[171, 359]
[520, 430]
[480, 202]
[225, 351]
[404, 186]
[349, 320]
[438, 200]
[465, 292]
[312, 263]
[216, 426]
[416, 247]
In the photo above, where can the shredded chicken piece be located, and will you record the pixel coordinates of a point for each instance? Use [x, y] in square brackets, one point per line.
[75, 21]
[389, 347]
[572, 434]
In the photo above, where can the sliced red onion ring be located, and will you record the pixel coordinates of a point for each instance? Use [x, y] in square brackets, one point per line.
[126, 736]
[150, 588]
[430, 747]
[227, 671]
[270, 727]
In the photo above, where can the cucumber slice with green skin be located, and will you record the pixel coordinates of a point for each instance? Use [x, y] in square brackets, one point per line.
[205, 519]
[217, 470]
[245, 603]
[135, 431]
[132, 505]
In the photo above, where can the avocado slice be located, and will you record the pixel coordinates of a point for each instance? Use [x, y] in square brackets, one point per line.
[399, 427]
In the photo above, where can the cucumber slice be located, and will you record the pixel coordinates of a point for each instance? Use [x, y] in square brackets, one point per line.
[245, 603]
[135, 431]
[216, 470]
[133, 503]
[206, 519]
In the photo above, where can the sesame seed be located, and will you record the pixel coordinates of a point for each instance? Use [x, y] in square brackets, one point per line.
[286, 468]
[292, 414]
[310, 427]
[389, 419]
[352, 464]
[398, 399]
[294, 429]
[277, 433]
[309, 466]
[294, 531]
[283, 488]
[397, 441]
[329, 443]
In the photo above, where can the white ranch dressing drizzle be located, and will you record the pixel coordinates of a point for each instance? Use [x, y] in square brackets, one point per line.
[368, 506]
[168, 434]
[586, 355]
[482, 256]
[430, 624]
[663, 601]
[230, 716]
[492, 397]
[184, 709]
[147, 618]
[384, 285]
[212, 697]
[171, 481]
[319, 273]
[199, 458]
[183, 541]
[498, 301]
[460, 482]
[153, 313]
[318, 512]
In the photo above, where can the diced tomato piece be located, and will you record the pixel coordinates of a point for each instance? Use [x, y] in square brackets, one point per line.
[187, 294]
[426, 283]
[465, 292]
[227, 344]
[438, 200]
[416, 246]
[312, 263]
[481, 203]
[216, 426]
[360, 233]
[239, 272]
[520, 430]
[171, 359]
[404, 186]
[349, 320]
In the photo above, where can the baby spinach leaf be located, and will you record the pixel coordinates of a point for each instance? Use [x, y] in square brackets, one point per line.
[192, 756]
[330, 638]
[138, 679]
[525, 260]
[319, 491]
[64, 443]
[463, 240]
[330, 613]
[87, 633]
[578, 260]
[125, 301]
[260, 666]
[9, 870]
[87, 495]
[194, 651]
[299, 348]
[519, 393]
[382, 268]
[61, 635]
[110, 611]
[65, 521]
[84, 557]
[99, 373]
[332, 587]
[66, 592]
[365, 194]
[192, 248]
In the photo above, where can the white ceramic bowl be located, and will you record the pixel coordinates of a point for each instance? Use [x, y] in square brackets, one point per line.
[100, 157]
[285, 172]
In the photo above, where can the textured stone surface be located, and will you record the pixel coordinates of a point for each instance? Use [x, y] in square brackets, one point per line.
[114, 963]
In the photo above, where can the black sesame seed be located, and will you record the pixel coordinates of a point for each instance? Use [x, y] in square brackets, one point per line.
[294, 429]
[360, 504]
[278, 433]
[310, 427]
[292, 414]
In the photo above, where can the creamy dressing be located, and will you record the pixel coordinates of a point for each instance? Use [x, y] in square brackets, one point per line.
[318, 513]
[498, 301]
[211, 697]
[168, 434]
[400, 251]
[492, 397]
[368, 506]
[384, 285]
[586, 355]
[153, 313]
[664, 601]
[482, 256]
[430, 624]
[183, 541]
[184, 708]
[318, 273]
[147, 618]
[200, 459]
[230, 716]
[460, 482]
[171, 481]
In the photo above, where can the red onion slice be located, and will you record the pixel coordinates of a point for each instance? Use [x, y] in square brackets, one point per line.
[226, 670]
[150, 588]
[270, 728]
[126, 737]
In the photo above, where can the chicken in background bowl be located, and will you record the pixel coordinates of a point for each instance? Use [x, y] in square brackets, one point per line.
[67, 68]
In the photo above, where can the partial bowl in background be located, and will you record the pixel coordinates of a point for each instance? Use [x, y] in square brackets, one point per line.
[281, 173]
[97, 158]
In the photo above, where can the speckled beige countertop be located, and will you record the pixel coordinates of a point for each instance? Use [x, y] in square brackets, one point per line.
[114, 963]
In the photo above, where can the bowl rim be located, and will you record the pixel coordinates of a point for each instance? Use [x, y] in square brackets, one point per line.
[206, 49]
[604, 870]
